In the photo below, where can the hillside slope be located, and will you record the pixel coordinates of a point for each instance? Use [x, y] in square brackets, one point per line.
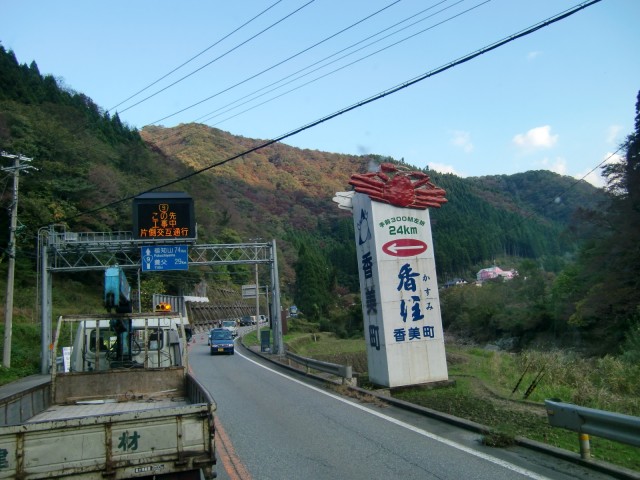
[89, 161]
[279, 189]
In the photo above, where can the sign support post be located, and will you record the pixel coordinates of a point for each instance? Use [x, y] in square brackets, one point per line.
[257, 306]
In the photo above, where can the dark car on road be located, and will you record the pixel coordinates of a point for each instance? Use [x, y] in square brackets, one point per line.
[245, 321]
[221, 341]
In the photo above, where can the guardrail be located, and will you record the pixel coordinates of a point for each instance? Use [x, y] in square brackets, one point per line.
[344, 371]
[588, 421]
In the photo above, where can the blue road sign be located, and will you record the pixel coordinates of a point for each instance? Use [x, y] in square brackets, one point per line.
[167, 257]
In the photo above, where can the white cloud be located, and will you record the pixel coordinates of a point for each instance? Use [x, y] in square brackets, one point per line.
[611, 157]
[612, 133]
[558, 165]
[442, 168]
[594, 176]
[536, 138]
[463, 140]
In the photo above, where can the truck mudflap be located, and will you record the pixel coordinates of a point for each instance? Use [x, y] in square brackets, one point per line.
[139, 444]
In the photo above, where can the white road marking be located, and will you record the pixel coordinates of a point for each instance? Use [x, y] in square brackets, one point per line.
[437, 438]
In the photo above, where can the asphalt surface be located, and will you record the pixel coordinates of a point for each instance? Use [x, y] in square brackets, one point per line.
[277, 424]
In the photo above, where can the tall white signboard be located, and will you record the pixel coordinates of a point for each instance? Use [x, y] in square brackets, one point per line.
[399, 289]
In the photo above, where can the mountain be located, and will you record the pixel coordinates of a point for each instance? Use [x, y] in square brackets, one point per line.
[279, 191]
[88, 159]
[91, 165]
[272, 190]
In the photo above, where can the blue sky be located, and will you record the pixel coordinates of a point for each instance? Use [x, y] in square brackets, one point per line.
[561, 99]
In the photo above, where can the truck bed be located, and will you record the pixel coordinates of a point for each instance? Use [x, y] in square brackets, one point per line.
[117, 425]
[103, 407]
[116, 439]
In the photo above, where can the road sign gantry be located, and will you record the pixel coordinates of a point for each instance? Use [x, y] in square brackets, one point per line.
[73, 252]
[62, 251]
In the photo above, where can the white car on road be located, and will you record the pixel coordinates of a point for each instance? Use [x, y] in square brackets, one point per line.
[232, 326]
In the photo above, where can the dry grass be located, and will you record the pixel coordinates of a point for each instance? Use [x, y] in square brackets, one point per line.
[361, 397]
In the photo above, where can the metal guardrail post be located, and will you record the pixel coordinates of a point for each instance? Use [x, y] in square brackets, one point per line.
[588, 421]
[585, 446]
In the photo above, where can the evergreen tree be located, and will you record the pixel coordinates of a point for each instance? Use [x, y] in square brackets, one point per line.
[608, 277]
[313, 293]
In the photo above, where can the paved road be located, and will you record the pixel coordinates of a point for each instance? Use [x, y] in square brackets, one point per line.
[272, 426]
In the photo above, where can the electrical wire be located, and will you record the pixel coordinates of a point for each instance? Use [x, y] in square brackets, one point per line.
[219, 57]
[353, 62]
[497, 235]
[383, 94]
[273, 66]
[326, 58]
[196, 56]
[570, 187]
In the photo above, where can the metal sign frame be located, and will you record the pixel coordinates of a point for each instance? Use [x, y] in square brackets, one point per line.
[62, 251]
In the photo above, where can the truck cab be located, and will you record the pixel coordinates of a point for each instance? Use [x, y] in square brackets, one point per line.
[110, 341]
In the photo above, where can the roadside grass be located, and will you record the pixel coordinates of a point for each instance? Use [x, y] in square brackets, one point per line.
[25, 352]
[506, 391]
[70, 297]
[250, 339]
[323, 343]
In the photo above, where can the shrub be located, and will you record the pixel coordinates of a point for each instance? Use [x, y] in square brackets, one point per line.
[631, 345]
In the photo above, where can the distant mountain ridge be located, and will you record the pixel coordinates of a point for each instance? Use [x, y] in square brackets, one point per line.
[280, 188]
[89, 160]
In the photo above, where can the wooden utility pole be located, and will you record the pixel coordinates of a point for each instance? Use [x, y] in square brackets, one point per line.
[11, 252]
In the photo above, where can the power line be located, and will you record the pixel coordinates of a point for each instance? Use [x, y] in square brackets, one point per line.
[219, 57]
[495, 235]
[353, 62]
[328, 57]
[275, 65]
[196, 56]
[402, 86]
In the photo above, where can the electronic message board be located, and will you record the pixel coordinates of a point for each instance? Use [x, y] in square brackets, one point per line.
[163, 216]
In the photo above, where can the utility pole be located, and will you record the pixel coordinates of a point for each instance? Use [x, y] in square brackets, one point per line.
[11, 250]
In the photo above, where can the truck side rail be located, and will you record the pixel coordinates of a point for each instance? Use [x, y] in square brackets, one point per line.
[24, 398]
[196, 391]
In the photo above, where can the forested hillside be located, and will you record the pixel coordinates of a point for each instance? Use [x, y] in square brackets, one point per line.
[88, 161]
[287, 191]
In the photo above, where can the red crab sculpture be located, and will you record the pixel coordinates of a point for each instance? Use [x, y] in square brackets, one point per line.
[400, 187]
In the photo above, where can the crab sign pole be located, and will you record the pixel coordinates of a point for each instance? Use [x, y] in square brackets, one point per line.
[398, 284]
[8, 307]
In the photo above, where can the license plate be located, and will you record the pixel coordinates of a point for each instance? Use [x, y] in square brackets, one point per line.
[221, 349]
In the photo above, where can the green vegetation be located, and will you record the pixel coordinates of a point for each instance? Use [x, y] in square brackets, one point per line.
[545, 225]
[25, 357]
[69, 296]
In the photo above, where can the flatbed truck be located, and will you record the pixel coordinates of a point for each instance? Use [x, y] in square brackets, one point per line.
[122, 405]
